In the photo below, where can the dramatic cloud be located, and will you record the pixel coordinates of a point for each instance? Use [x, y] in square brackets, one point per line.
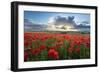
[59, 19]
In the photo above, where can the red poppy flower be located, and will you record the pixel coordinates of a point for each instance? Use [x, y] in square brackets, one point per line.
[42, 47]
[35, 51]
[26, 44]
[25, 56]
[77, 50]
[70, 50]
[53, 54]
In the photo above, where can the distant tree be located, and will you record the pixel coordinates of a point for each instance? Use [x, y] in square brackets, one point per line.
[85, 22]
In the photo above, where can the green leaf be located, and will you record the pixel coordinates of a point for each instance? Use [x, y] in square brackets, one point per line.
[43, 55]
[66, 44]
[84, 52]
[31, 57]
[75, 55]
[62, 53]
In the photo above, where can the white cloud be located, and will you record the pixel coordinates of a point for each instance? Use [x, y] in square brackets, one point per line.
[51, 20]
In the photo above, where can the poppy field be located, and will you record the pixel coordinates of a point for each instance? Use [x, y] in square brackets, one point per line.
[44, 46]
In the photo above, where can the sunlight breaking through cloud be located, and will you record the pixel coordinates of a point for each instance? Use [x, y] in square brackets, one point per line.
[60, 22]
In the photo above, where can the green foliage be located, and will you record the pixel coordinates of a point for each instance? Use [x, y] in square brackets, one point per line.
[31, 57]
[84, 52]
[50, 42]
[43, 55]
[75, 55]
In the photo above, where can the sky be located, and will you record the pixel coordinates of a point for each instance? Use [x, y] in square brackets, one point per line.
[45, 17]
